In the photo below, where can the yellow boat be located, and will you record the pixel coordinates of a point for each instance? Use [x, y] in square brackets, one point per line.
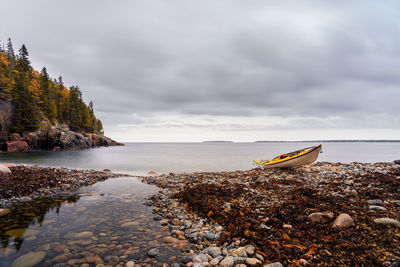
[292, 159]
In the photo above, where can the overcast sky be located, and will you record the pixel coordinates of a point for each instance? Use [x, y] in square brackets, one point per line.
[236, 70]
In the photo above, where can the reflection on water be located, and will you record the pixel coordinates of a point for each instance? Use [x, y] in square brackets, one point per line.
[98, 224]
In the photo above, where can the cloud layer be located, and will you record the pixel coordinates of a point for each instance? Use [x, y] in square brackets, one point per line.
[234, 66]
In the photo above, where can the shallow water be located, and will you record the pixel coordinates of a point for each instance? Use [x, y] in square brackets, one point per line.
[139, 158]
[100, 211]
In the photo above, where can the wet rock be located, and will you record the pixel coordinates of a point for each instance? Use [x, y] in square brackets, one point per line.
[227, 261]
[197, 264]
[83, 235]
[169, 239]
[152, 252]
[29, 260]
[253, 262]
[113, 260]
[130, 264]
[210, 236]
[374, 207]
[62, 258]
[213, 251]
[374, 201]
[16, 146]
[320, 217]
[129, 224]
[214, 262]
[343, 220]
[4, 212]
[387, 221]
[157, 218]
[275, 264]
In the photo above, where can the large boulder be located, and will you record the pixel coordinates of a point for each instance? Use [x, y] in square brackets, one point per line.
[17, 146]
[15, 137]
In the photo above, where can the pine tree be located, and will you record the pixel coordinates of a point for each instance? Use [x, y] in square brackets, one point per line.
[11, 55]
[44, 82]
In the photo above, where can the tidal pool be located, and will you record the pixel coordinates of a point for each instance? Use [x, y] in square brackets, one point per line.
[104, 223]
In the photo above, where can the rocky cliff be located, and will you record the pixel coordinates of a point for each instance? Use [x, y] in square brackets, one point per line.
[54, 138]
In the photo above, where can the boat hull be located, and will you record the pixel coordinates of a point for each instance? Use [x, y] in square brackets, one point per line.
[294, 162]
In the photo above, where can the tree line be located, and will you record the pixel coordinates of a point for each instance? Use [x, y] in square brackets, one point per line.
[39, 99]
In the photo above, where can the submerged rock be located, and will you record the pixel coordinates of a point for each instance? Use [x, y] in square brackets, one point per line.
[29, 260]
[4, 212]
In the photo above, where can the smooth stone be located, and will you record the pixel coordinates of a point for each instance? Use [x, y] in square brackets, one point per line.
[374, 207]
[238, 251]
[250, 250]
[152, 252]
[157, 218]
[129, 224]
[83, 235]
[214, 262]
[197, 264]
[169, 240]
[209, 236]
[62, 258]
[113, 260]
[260, 257]
[130, 264]
[213, 251]
[397, 161]
[4, 170]
[374, 201]
[320, 217]
[4, 212]
[387, 221]
[30, 259]
[202, 257]
[343, 220]
[275, 264]
[153, 173]
[253, 262]
[398, 203]
[228, 261]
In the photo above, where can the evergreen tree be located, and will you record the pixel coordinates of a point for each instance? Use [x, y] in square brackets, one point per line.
[44, 82]
[11, 55]
[23, 63]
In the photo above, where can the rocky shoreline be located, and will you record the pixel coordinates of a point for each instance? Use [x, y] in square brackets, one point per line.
[54, 138]
[329, 214]
[24, 183]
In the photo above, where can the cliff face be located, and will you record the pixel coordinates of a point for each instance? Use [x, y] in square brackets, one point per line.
[54, 138]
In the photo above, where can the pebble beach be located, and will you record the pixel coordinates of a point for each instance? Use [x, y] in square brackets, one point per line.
[326, 214]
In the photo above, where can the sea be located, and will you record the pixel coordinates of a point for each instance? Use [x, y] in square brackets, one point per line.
[109, 221]
[140, 158]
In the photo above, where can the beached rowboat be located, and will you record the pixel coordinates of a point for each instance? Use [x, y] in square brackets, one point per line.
[292, 159]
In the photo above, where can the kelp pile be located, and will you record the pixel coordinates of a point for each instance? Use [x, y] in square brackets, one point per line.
[270, 209]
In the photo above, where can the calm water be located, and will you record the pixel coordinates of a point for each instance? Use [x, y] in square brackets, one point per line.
[106, 219]
[139, 158]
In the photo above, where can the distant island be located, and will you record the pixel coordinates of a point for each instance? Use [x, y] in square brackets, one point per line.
[38, 112]
[330, 141]
[217, 141]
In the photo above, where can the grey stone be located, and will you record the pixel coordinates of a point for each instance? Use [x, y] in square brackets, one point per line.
[374, 207]
[152, 252]
[213, 251]
[197, 264]
[387, 221]
[228, 261]
[239, 260]
[203, 257]
[210, 236]
[374, 201]
[157, 218]
[275, 264]
[260, 257]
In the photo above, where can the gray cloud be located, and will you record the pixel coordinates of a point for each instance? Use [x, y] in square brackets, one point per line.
[138, 59]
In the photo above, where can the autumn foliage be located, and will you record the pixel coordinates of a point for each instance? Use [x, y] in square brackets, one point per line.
[40, 100]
